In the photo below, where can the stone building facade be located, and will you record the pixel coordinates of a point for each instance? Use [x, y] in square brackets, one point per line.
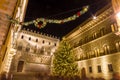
[34, 52]
[5, 9]
[16, 10]
[96, 45]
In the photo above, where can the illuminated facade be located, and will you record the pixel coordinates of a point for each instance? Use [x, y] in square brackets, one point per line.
[97, 46]
[116, 8]
[34, 52]
[16, 9]
[6, 8]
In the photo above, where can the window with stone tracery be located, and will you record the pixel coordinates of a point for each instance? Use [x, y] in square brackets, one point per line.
[96, 51]
[118, 46]
[35, 49]
[19, 47]
[27, 48]
[114, 27]
[42, 50]
[106, 49]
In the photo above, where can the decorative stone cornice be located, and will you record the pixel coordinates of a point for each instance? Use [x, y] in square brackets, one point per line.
[90, 23]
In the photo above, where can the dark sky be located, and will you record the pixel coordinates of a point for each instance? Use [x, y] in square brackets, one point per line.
[60, 9]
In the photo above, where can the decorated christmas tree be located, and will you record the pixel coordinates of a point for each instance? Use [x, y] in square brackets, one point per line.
[64, 61]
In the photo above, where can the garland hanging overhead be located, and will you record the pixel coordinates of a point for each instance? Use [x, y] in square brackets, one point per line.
[42, 22]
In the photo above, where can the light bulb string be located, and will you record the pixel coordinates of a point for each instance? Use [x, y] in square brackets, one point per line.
[42, 22]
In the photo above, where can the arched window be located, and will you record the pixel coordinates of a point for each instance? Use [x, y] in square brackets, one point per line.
[96, 51]
[43, 41]
[22, 37]
[118, 46]
[95, 35]
[35, 49]
[27, 48]
[36, 40]
[48, 50]
[81, 57]
[114, 27]
[55, 44]
[20, 66]
[20, 47]
[89, 55]
[49, 43]
[106, 49]
[29, 38]
[42, 50]
[102, 31]
[92, 54]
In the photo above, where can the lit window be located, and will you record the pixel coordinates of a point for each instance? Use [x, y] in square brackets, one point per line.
[95, 35]
[118, 46]
[114, 27]
[96, 52]
[106, 49]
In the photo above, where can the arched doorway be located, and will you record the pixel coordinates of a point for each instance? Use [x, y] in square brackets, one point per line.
[20, 66]
[83, 73]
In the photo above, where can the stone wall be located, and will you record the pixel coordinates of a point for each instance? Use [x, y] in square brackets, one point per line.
[102, 61]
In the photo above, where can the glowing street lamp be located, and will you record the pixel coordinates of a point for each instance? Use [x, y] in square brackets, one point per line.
[94, 17]
[118, 20]
[116, 8]
[118, 15]
[118, 23]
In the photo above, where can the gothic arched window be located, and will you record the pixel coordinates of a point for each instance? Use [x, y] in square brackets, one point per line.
[27, 48]
[118, 46]
[20, 47]
[106, 49]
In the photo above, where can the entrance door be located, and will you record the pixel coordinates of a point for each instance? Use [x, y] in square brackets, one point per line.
[83, 73]
[20, 66]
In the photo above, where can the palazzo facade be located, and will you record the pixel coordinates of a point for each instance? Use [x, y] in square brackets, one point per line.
[15, 9]
[34, 52]
[97, 45]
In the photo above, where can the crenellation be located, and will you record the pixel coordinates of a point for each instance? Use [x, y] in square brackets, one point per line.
[35, 52]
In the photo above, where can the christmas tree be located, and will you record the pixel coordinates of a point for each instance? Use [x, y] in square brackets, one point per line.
[64, 61]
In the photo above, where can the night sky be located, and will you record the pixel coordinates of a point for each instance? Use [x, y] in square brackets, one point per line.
[60, 9]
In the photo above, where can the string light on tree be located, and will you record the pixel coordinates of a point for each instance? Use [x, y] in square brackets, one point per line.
[42, 22]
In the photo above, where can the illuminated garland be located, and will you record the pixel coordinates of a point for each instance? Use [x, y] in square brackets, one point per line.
[42, 22]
